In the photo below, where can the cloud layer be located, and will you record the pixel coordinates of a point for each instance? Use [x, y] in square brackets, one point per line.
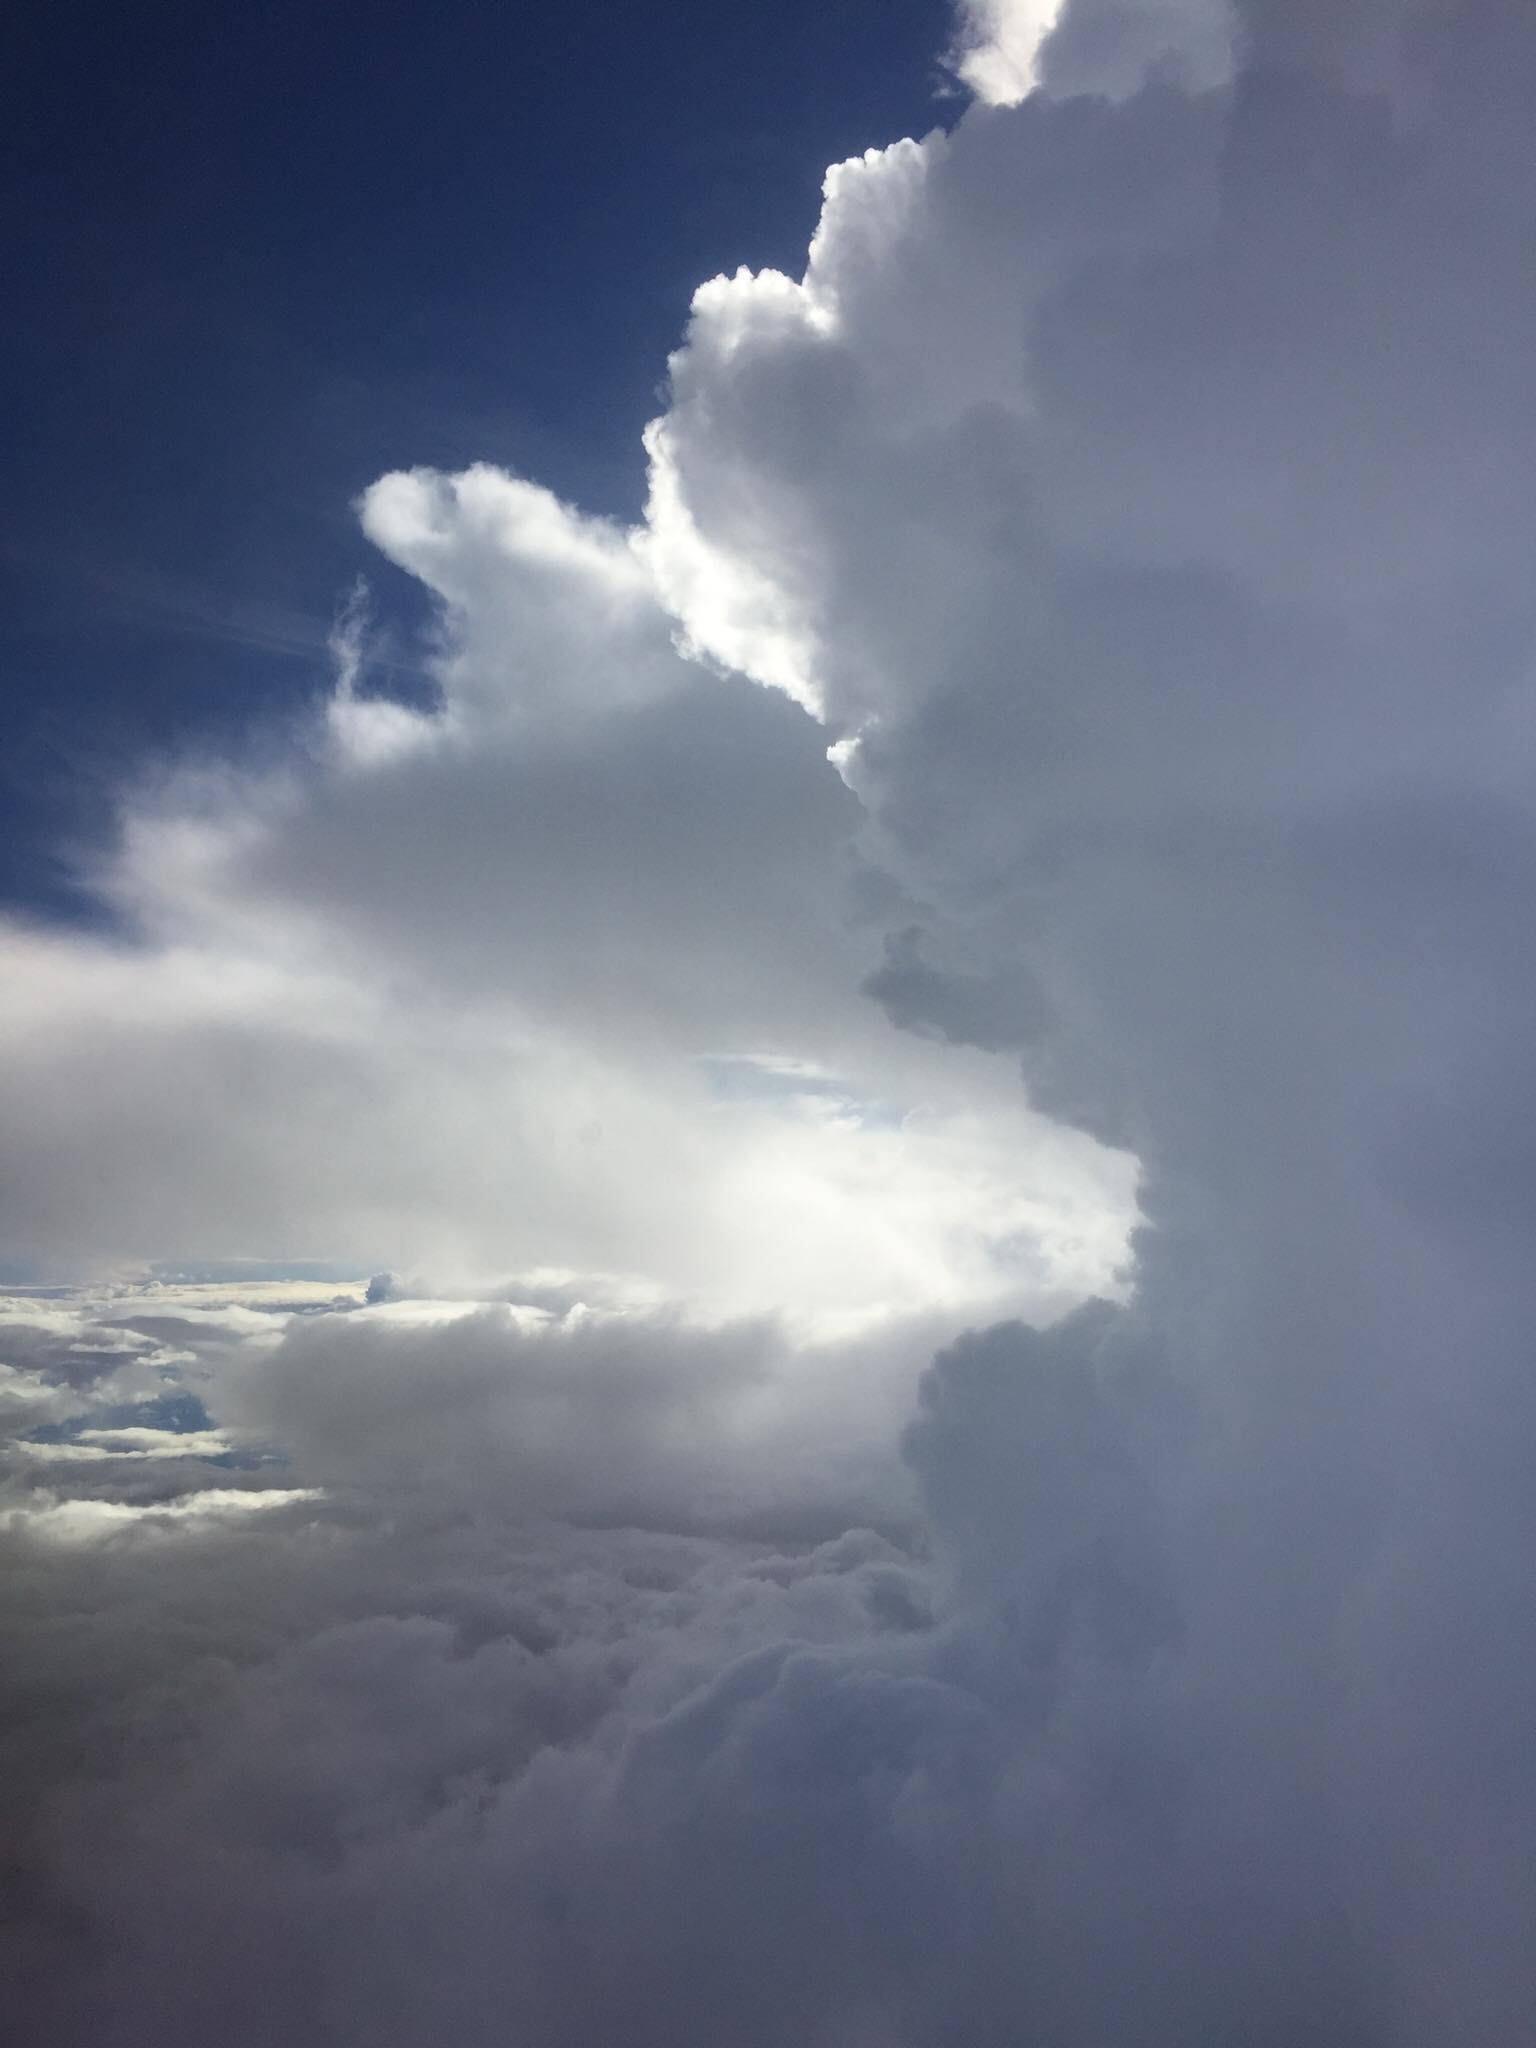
[735, 1588]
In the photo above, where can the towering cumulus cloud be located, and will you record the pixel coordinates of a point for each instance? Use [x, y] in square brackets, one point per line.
[827, 1595]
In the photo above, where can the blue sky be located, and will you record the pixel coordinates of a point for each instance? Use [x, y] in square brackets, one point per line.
[259, 256]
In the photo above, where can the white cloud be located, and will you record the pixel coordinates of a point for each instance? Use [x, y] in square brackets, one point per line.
[97, 1521]
[132, 1442]
[28, 1399]
[439, 995]
[998, 51]
[1006, 49]
[1138, 487]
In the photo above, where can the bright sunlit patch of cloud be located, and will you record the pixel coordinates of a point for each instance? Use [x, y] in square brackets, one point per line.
[1006, 49]
[997, 51]
[96, 1444]
[83, 1522]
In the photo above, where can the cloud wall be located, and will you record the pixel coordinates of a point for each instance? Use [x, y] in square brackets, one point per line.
[791, 1613]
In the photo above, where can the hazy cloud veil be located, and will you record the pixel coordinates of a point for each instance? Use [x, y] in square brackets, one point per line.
[744, 1582]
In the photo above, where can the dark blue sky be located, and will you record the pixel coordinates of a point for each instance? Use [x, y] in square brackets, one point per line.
[256, 256]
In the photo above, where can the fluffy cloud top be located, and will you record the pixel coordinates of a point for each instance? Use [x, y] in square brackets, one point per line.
[1007, 49]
